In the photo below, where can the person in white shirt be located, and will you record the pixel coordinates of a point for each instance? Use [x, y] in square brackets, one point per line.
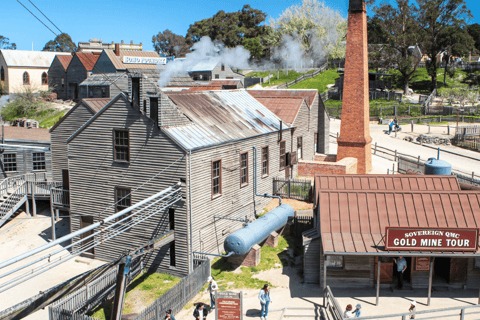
[213, 287]
[265, 300]
[200, 313]
[348, 312]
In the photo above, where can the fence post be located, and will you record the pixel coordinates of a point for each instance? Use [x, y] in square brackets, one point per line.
[395, 159]
[289, 181]
[412, 120]
[429, 128]
[375, 151]
[418, 162]
[462, 314]
[448, 126]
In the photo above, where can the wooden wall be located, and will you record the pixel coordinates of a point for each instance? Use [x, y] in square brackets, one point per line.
[24, 158]
[76, 74]
[55, 75]
[311, 262]
[104, 64]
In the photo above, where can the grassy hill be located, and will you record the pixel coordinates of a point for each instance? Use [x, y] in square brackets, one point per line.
[318, 82]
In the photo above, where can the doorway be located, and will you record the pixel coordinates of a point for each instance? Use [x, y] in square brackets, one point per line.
[86, 221]
[136, 92]
[441, 270]
[450, 270]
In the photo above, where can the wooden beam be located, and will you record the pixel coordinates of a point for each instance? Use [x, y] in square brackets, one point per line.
[378, 282]
[123, 269]
[430, 278]
[324, 279]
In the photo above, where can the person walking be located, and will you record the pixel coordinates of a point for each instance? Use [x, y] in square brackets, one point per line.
[168, 315]
[358, 311]
[413, 304]
[348, 312]
[200, 313]
[265, 300]
[213, 288]
[390, 127]
[401, 267]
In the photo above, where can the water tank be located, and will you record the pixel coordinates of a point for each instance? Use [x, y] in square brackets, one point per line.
[241, 241]
[438, 167]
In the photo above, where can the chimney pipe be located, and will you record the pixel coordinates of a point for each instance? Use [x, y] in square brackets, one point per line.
[117, 49]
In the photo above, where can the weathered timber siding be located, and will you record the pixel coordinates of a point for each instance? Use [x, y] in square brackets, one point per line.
[235, 201]
[311, 262]
[323, 125]
[59, 137]
[305, 128]
[55, 75]
[94, 176]
[76, 74]
[25, 158]
[111, 89]
[104, 64]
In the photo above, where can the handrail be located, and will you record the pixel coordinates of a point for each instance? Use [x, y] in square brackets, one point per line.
[60, 196]
[11, 201]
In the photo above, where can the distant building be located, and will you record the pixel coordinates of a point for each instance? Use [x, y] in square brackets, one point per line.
[213, 69]
[57, 75]
[118, 60]
[95, 45]
[106, 85]
[21, 69]
[79, 69]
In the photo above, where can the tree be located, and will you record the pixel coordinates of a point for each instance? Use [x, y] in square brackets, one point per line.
[318, 28]
[376, 33]
[62, 43]
[170, 44]
[5, 43]
[231, 28]
[474, 31]
[435, 16]
[400, 28]
[254, 45]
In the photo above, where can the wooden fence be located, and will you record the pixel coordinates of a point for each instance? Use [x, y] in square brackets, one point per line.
[303, 77]
[293, 189]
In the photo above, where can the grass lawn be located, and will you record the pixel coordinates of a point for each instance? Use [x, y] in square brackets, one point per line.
[374, 104]
[283, 77]
[272, 258]
[46, 117]
[319, 82]
[141, 293]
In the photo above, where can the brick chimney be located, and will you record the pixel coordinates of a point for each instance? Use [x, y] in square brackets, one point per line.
[355, 140]
[117, 49]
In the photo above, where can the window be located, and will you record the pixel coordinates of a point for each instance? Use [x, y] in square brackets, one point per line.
[265, 166]
[171, 218]
[26, 78]
[123, 199]
[243, 169]
[334, 262]
[39, 161]
[2, 74]
[144, 106]
[44, 79]
[315, 143]
[223, 67]
[104, 93]
[216, 178]
[121, 145]
[217, 76]
[282, 155]
[299, 147]
[154, 109]
[9, 162]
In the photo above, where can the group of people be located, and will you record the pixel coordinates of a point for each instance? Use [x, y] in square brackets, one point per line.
[350, 313]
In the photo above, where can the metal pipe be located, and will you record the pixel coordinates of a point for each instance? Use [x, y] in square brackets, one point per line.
[190, 201]
[81, 231]
[266, 195]
[216, 255]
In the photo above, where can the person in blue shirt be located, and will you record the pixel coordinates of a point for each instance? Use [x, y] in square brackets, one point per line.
[390, 127]
[168, 315]
[358, 311]
[401, 267]
[265, 300]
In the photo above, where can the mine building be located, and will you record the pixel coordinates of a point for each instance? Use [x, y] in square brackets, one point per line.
[118, 60]
[25, 150]
[213, 69]
[80, 68]
[57, 75]
[22, 69]
[107, 85]
[95, 45]
[364, 222]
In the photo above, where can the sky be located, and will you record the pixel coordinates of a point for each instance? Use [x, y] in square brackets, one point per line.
[136, 20]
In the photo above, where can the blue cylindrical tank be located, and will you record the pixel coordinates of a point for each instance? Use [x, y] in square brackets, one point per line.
[241, 241]
[438, 167]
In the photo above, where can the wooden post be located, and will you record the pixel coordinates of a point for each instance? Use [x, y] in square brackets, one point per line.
[430, 277]
[395, 159]
[34, 205]
[412, 124]
[27, 206]
[325, 279]
[393, 168]
[375, 151]
[53, 227]
[429, 128]
[120, 291]
[462, 314]
[378, 281]
[448, 126]
[57, 214]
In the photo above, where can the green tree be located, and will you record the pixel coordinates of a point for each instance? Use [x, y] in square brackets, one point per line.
[435, 16]
[400, 27]
[231, 28]
[62, 43]
[375, 31]
[474, 31]
[5, 43]
[254, 45]
[170, 44]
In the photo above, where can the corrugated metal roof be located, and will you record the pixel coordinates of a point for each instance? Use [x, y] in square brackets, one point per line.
[96, 104]
[88, 59]
[23, 58]
[285, 108]
[22, 133]
[64, 60]
[103, 79]
[118, 60]
[220, 116]
[229, 82]
[307, 94]
[205, 88]
[354, 222]
[206, 65]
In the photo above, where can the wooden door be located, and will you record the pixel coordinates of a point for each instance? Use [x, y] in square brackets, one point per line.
[458, 270]
[65, 180]
[85, 221]
[386, 270]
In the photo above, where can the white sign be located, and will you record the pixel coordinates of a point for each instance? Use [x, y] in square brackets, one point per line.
[144, 60]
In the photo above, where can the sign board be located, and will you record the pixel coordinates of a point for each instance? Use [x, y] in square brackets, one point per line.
[422, 264]
[144, 60]
[229, 306]
[431, 239]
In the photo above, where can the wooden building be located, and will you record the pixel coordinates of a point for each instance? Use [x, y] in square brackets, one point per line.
[107, 85]
[203, 139]
[357, 215]
[29, 152]
[80, 68]
[118, 60]
[96, 45]
[213, 69]
[57, 75]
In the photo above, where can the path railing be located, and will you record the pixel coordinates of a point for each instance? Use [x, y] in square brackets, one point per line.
[13, 201]
[60, 197]
[293, 189]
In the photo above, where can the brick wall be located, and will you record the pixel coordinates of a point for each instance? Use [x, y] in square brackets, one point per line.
[251, 259]
[311, 168]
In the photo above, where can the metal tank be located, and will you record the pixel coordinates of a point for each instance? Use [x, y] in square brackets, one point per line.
[241, 241]
[438, 167]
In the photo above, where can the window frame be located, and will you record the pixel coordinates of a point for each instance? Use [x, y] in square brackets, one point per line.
[129, 198]
[241, 170]
[217, 76]
[222, 67]
[26, 83]
[36, 162]
[216, 195]
[301, 147]
[264, 175]
[284, 155]
[333, 267]
[2, 73]
[44, 83]
[7, 164]
[115, 146]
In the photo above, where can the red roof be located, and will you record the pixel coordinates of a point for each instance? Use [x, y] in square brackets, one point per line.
[308, 95]
[88, 59]
[283, 107]
[64, 60]
[22, 133]
[354, 221]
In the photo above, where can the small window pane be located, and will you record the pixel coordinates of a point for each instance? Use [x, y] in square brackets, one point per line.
[121, 145]
[44, 78]
[244, 168]
[216, 177]
[39, 161]
[123, 200]
[299, 148]
[282, 154]
[334, 262]
[265, 161]
[26, 78]
[10, 162]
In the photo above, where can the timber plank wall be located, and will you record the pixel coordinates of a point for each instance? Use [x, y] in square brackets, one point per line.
[76, 74]
[24, 158]
[55, 74]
